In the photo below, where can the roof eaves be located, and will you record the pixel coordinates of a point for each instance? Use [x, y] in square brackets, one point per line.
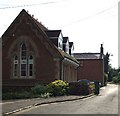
[53, 33]
[66, 55]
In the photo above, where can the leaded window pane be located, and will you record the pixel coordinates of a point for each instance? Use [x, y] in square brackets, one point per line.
[15, 66]
[31, 65]
[23, 52]
[23, 69]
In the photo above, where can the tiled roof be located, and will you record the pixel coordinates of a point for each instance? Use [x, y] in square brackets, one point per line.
[40, 25]
[53, 33]
[87, 55]
[64, 54]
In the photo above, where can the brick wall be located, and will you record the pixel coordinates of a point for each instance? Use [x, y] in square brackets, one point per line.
[45, 67]
[91, 69]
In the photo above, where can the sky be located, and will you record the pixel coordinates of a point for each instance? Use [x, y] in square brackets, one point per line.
[88, 23]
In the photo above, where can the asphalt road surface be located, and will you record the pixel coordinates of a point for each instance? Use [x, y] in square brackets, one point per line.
[105, 103]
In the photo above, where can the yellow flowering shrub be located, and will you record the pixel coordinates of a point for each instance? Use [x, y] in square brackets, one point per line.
[58, 88]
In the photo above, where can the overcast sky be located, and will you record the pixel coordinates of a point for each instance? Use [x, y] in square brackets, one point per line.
[87, 23]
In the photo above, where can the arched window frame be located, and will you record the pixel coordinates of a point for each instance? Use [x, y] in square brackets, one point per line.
[23, 60]
[23, 63]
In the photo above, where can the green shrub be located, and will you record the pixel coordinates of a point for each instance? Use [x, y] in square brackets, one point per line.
[16, 95]
[6, 96]
[119, 77]
[36, 91]
[57, 88]
[24, 95]
[116, 79]
[92, 88]
[105, 79]
[39, 89]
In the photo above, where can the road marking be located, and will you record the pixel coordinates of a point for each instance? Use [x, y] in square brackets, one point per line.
[62, 102]
[42, 105]
[55, 103]
[87, 98]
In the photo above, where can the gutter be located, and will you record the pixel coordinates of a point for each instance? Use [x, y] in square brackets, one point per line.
[70, 62]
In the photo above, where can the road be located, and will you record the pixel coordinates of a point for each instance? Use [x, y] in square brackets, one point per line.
[105, 103]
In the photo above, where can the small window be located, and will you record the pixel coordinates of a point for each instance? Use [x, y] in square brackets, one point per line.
[23, 51]
[23, 69]
[30, 69]
[23, 60]
[15, 67]
[30, 65]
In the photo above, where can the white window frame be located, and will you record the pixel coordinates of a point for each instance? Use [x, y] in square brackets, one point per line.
[20, 60]
[23, 61]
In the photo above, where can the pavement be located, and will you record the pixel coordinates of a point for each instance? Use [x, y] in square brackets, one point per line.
[12, 106]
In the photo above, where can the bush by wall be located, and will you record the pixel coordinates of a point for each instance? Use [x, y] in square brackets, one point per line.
[16, 95]
[77, 88]
[116, 79]
[39, 89]
[105, 79]
[36, 91]
[58, 88]
[91, 88]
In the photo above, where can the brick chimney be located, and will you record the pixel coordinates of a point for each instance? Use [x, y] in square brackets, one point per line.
[101, 51]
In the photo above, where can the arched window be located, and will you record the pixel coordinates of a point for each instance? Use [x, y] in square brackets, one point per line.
[15, 66]
[23, 60]
[23, 51]
[30, 66]
[23, 63]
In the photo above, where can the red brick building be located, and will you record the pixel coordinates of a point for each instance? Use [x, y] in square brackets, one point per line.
[91, 66]
[33, 54]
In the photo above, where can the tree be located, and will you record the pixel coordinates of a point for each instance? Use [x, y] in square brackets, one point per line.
[112, 73]
[106, 63]
[116, 77]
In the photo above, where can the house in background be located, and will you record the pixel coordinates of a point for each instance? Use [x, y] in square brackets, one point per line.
[33, 54]
[91, 66]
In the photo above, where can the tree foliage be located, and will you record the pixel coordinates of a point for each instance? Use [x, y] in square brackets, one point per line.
[114, 75]
[106, 62]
